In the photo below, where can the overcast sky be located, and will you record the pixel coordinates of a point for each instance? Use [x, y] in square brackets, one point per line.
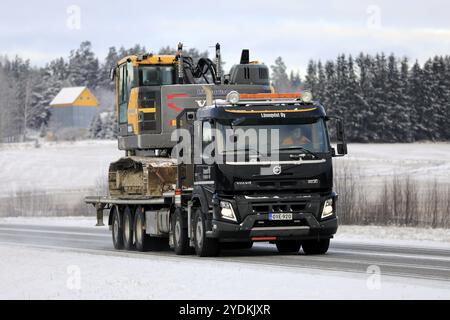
[296, 30]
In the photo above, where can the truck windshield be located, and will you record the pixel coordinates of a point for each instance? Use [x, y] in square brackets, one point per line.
[156, 75]
[283, 137]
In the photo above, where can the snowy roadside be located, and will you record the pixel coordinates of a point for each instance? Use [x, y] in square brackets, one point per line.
[398, 236]
[68, 275]
[376, 235]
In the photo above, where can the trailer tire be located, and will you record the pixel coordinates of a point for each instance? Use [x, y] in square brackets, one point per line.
[290, 246]
[128, 227]
[117, 233]
[141, 239]
[180, 234]
[204, 247]
[312, 247]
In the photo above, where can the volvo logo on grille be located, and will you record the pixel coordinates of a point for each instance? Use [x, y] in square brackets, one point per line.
[276, 170]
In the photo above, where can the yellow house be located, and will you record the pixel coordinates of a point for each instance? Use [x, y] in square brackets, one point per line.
[74, 107]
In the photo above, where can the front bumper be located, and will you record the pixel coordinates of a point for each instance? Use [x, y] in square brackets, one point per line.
[229, 232]
[258, 227]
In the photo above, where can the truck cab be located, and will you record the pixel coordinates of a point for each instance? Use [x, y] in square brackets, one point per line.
[261, 170]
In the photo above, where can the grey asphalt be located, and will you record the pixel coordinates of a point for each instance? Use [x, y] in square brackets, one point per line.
[354, 257]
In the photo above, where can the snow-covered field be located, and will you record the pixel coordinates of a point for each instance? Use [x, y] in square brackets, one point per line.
[67, 166]
[55, 166]
[60, 174]
[424, 162]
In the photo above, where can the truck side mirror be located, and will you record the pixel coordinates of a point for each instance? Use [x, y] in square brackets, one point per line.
[342, 142]
[340, 133]
[341, 149]
[112, 74]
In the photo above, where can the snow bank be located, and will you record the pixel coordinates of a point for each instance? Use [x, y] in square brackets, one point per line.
[64, 275]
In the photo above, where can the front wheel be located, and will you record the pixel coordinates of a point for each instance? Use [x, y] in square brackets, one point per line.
[288, 246]
[311, 247]
[204, 247]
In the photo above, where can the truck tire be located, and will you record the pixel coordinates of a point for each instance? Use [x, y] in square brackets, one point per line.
[204, 247]
[141, 239]
[117, 233]
[311, 247]
[128, 221]
[291, 246]
[180, 234]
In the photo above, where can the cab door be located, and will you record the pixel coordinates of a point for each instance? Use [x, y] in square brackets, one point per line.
[124, 86]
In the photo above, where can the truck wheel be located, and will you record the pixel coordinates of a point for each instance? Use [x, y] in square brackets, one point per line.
[141, 239]
[180, 234]
[291, 246]
[117, 234]
[128, 222]
[311, 247]
[204, 247]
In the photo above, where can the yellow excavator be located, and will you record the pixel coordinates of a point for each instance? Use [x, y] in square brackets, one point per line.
[151, 90]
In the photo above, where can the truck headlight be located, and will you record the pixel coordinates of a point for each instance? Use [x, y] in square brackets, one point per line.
[327, 209]
[233, 97]
[226, 211]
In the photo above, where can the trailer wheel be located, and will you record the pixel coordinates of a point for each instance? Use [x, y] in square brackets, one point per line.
[117, 234]
[311, 247]
[204, 247]
[128, 221]
[141, 239]
[290, 246]
[180, 234]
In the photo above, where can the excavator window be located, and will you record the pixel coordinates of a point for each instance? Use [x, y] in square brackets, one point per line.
[122, 94]
[156, 75]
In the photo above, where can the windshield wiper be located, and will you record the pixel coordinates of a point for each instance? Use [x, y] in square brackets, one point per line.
[302, 149]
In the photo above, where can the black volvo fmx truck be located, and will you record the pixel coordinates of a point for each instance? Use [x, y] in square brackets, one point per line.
[249, 168]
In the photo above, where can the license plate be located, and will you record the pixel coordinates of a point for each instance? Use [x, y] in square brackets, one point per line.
[280, 216]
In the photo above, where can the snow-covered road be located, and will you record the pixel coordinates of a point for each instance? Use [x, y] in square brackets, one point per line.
[54, 261]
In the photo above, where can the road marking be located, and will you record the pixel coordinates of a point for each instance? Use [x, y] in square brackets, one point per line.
[51, 232]
[394, 254]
